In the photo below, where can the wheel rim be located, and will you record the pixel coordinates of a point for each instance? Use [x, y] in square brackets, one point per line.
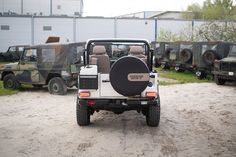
[10, 83]
[176, 68]
[198, 73]
[55, 88]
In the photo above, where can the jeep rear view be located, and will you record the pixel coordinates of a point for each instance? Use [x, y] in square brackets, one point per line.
[117, 76]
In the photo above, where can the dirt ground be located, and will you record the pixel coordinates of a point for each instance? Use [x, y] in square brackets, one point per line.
[196, 120]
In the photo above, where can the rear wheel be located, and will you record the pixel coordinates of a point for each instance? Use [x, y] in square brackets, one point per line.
[165, 66]
[201, 75]
[219, 81]
[10, 82]
[178, 69]
[82, 115]
[153, 115]
[57, 86]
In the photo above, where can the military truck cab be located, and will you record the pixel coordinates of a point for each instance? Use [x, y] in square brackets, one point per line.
[225, 69]
[118, 79]
[55, 65]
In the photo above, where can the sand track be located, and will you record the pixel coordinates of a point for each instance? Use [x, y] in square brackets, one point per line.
[196, 120]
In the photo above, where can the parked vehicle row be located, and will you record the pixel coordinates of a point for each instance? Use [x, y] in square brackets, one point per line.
[198, 57]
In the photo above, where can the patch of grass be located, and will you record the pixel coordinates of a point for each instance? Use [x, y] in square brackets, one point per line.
[165, 83]
[180, 77]
[4, 91]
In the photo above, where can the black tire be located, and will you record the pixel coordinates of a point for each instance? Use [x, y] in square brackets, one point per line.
[219, 81]
[201, 75]
[185, 55]
[179, 69]
[82, 115]
[209, 57]
[165, 66]
[153, 115]
[57, 86]
[10, 82]
[129, 76]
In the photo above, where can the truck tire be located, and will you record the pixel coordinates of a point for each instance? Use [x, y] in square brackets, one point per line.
[179, 69]
[200, 74]
[57, 86]
[82, 115]
[153, 115]
[165, 66]
[219, 81]
[129, 76]
[209, 57]
[185, 55]
[10, 82]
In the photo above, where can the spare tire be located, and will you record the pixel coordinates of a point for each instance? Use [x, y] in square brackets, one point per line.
[185, 55]
[129, 76]
[209, 57]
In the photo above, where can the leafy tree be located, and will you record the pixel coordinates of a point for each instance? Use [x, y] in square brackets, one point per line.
[212, 10]
[194, 11]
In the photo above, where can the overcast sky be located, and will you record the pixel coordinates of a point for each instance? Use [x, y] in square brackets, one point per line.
[110, 8]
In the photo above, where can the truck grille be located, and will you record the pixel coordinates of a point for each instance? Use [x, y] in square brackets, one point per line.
[228, 67]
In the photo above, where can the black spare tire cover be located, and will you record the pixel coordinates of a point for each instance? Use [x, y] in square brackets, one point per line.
[129, 76]
[186, 55]
[209, 57]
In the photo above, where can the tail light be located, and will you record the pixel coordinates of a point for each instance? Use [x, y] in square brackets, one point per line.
[151, 94]
[84, 94]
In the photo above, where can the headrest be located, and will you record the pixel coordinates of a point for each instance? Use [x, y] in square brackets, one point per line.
[99, 50]
[136, 50]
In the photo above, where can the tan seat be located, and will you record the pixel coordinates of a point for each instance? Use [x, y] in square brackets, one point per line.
[101, 59]
[138, 52]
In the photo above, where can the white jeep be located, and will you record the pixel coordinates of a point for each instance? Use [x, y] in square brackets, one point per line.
[117, 76]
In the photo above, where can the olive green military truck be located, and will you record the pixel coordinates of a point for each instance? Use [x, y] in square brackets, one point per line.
[54, 65]
[225, 69]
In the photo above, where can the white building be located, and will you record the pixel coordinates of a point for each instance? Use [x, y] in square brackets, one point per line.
[42, 7]
[154, 14]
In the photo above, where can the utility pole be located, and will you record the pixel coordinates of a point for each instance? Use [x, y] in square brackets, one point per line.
[2, 6]
[51, 7]
[22, 7]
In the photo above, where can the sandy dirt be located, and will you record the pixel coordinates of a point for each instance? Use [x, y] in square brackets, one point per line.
[196, 120]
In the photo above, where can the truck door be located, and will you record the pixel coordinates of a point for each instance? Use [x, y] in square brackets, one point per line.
[28, 72]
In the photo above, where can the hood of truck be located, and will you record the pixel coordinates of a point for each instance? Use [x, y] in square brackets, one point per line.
[229, 59]
[9, 66]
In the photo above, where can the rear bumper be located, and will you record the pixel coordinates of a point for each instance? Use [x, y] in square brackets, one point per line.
[118, 104]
